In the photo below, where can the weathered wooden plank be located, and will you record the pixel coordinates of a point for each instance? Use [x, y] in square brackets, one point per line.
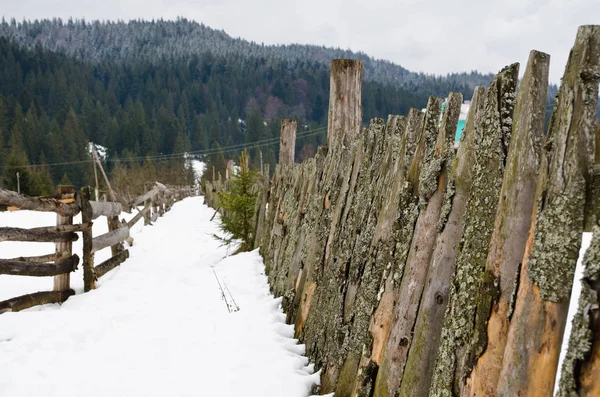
[10, 198]
[383, 318]
[147, 196]
[432, 187]
[111, 263]
[287, 142]
[473, 290]
[89, 280]
[104, 208]
[23, 268]
[35, 299]
[138, 216]
[345, 102]
[62, 282]
[110, 239]
[56, 257]
[535, 335]
[421, 359]
[40, 234]
[513, 216]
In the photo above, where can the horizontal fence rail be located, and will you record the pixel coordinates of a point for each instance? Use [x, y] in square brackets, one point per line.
[157, 201]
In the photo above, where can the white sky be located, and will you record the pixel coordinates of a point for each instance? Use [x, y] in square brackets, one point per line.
[432, 36]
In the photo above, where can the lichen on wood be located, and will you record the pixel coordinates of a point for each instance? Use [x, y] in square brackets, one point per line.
[585, 329]
[470, 291]
[421, 358]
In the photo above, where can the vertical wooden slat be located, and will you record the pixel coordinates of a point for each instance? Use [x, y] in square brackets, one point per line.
[287, 142]
[89, 278]
[513, 216]
[535, 335]
[62, 281]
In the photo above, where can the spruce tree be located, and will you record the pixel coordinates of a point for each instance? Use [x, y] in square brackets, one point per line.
[238, 203]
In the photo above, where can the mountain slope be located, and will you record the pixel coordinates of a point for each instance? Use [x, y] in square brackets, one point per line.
[157, 41]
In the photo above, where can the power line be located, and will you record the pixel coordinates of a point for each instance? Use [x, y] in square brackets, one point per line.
[206, 152]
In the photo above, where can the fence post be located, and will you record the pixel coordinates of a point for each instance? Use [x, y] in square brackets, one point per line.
[147, 203]
[287, 142]
[89, 278]
[161, 204]
[62, 281]
[345, 102]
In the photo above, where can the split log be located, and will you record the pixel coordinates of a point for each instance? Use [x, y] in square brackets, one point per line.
[111, 263]
[35, 299]
[89, 280]
[56, 257]
[38, 234]
[542, 302]
[287, 144]
[408, 212]
[436, 163]
[345, 102]
[138, 216]
[513, 217]
[109, 239]
[262, 203]
[473, 290]
[428, 328]
[62, 282]
[22, 268]
[9, 198]
[104, 208]
[147, 196]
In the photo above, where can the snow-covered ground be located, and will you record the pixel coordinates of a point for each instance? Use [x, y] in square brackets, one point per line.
[157, 325]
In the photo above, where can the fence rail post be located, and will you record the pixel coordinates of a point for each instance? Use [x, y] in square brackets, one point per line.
[62, 282]
[89, 278]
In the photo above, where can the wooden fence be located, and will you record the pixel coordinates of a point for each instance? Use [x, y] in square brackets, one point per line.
[158, 200]
[410, 268]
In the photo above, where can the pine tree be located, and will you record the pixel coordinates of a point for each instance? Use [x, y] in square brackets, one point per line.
[238, 203]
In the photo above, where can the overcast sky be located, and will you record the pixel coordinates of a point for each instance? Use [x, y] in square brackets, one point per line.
[433, 36]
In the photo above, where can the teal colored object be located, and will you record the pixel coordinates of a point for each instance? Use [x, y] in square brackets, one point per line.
[459, 127]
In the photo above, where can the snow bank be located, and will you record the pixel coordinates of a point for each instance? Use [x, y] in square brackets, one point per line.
[157, 325]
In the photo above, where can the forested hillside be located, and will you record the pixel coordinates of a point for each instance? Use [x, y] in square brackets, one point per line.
[159, 41]
[146, 90]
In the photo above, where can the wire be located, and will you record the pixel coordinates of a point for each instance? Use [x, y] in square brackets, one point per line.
[206, 152]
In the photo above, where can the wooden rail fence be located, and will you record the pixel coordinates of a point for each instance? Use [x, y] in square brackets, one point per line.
[66, 204]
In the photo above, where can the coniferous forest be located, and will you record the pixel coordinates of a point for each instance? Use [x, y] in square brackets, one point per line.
[149, 91]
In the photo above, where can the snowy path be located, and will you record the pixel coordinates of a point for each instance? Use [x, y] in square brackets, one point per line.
[157, 326]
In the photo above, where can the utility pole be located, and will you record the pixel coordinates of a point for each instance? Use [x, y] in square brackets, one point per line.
[18, 184]
[95, 171]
